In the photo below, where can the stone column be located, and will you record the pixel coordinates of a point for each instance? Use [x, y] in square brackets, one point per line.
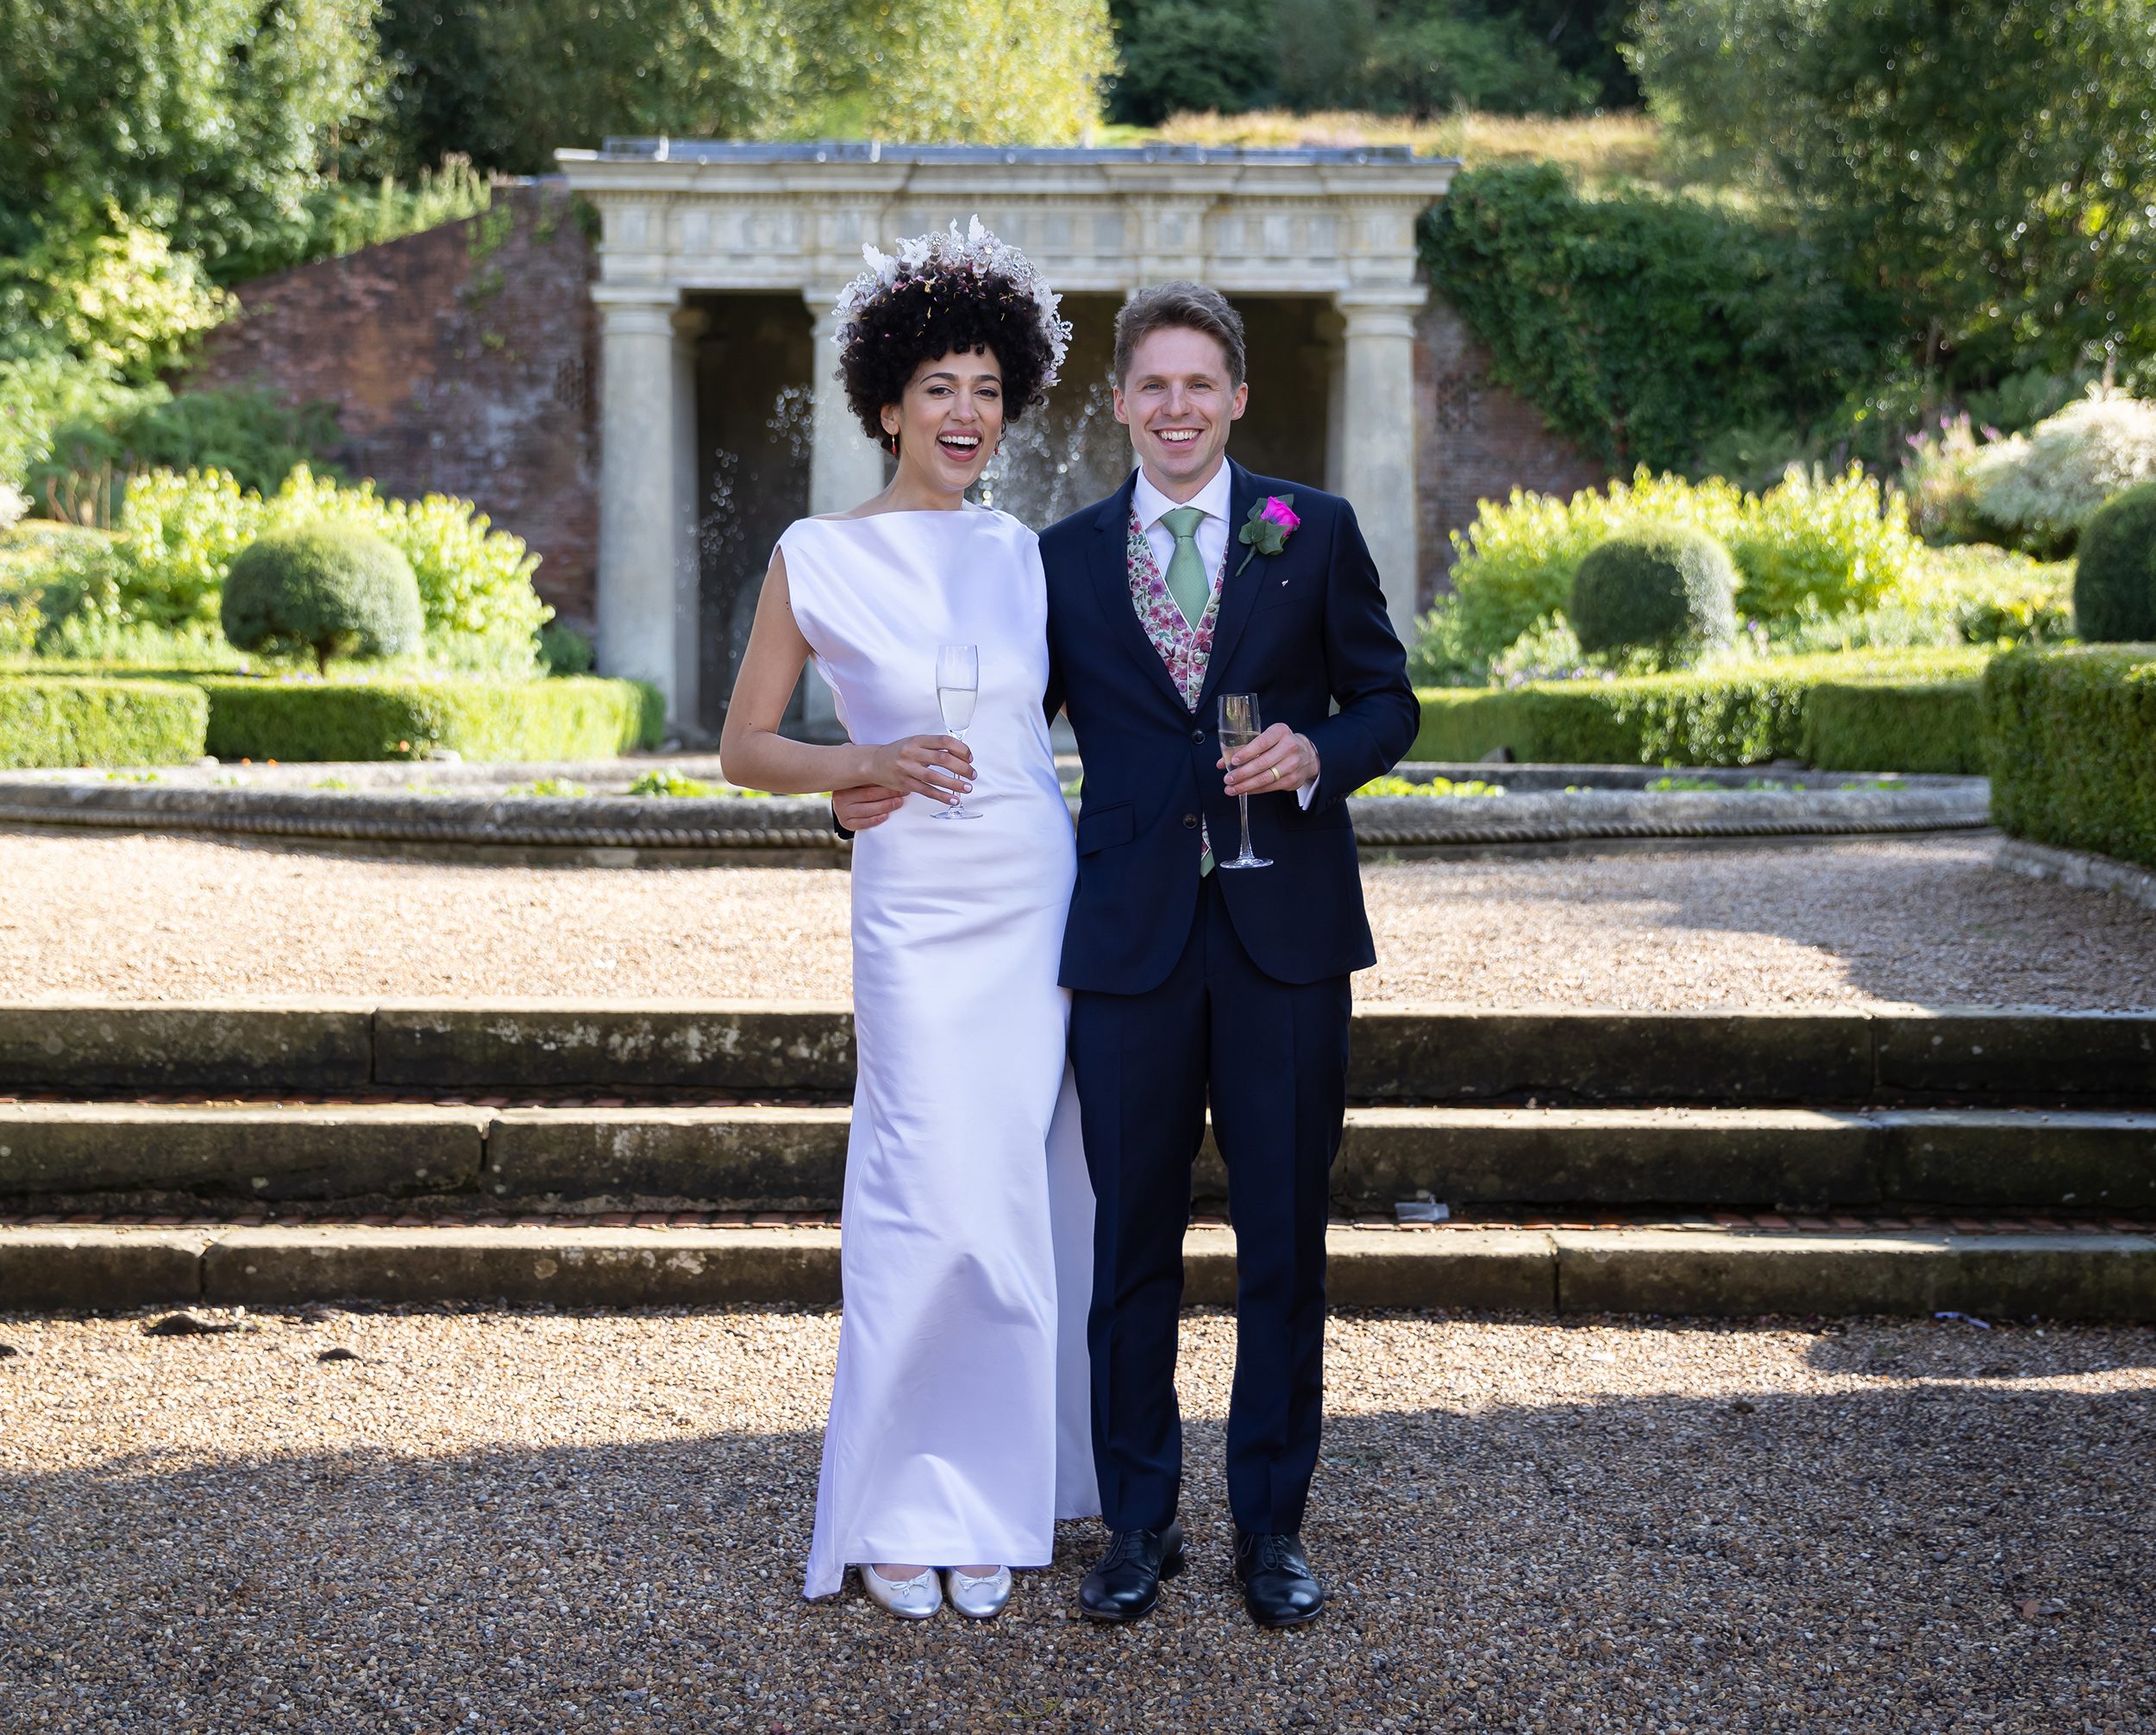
[845, 467]
[638, 520]
[1377, 438]
[689, 565]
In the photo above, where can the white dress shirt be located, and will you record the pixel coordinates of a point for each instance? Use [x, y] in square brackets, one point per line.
[1149, 503]
[1211, 536]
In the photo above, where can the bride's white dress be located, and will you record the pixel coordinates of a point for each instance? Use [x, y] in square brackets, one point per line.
[958, 1431]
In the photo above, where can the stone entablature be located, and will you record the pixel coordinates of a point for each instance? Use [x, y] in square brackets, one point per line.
[681, 216]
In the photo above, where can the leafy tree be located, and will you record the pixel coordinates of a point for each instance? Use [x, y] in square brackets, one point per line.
[206, 120]
[115, 295]
[1989, 164]
[1190, 56]
[1587, 37]
[962, 71]
[1426, 59]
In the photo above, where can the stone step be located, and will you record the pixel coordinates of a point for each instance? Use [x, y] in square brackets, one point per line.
[1694, 1269]
[82, 1154]
[1438, 1054]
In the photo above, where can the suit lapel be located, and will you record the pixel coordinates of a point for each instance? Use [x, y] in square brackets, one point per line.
[1110, 558]
[1236, 594]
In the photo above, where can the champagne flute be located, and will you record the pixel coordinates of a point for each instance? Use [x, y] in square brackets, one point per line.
[1238, 728]
[957, 686]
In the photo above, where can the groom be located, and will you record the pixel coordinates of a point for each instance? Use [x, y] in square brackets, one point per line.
[1194, 983]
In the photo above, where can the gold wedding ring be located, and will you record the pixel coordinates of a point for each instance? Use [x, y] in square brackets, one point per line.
[1275, 773]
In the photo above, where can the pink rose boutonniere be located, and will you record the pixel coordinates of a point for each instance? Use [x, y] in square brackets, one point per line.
[1266, 531]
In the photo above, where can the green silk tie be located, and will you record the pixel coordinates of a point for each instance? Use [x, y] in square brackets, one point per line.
[1187, 585]
[1187, 580]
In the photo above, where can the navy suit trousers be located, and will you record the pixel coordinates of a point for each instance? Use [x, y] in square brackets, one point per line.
[1271, 1056]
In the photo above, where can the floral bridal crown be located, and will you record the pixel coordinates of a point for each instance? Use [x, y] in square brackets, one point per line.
[977, 262]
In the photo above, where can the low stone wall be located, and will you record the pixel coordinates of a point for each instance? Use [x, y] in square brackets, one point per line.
[607, 828]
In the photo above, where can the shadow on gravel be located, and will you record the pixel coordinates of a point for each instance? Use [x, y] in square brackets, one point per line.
[1868, 917]
[1906, 1556]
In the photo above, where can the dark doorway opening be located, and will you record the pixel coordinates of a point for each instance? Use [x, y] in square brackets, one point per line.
[753, 368]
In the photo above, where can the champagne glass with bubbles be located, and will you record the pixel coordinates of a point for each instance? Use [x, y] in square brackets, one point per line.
[958, 687]
[1238, 728]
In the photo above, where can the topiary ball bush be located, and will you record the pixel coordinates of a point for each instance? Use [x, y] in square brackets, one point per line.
[1671, 590]
[335, 589]
[2115, 584]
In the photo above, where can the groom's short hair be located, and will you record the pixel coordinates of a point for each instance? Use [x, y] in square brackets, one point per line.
[1190, 306]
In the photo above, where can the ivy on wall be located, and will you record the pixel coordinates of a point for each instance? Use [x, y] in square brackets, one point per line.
[1644, 325]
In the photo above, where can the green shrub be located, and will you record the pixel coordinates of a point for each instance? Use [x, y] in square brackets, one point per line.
[1993, 594]
[252, 434]
[2039, 491]
[573, 717]
[46, 721]
[2115, 584]
[1664, 590]
[1809, 543]
[337, 590]
[474, 580]
[564, 650]
[1514, 565]
[1835, 542]
[2072, 736]
[182, 533]
[1736, 714]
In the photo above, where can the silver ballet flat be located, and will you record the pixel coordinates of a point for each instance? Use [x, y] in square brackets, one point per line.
[910, 1598]
[979, 1599]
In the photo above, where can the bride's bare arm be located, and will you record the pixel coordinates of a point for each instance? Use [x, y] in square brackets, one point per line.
[754, 755]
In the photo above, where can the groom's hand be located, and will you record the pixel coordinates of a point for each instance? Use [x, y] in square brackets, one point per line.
[857, 809]
[1278, 750]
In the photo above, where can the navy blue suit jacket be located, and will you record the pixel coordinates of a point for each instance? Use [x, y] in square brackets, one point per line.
[1303, 629]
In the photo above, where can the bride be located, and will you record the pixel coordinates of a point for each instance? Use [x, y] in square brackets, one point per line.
[958, 1430]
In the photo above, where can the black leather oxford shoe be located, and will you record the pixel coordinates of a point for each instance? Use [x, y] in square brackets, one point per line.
[1278, 1587]
[1126, 1584]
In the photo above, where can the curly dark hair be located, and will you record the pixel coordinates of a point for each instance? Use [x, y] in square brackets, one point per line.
[943, 312]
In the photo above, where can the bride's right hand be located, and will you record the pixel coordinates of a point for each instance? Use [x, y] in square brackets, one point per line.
[939, 767]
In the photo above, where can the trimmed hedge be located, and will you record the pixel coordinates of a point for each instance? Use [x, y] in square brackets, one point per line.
[47, 721]
[1895, 726]
[1895, 714]
[568, 718]
[2072, 736]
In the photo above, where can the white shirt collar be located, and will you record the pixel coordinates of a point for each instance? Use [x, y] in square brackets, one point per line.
[1212, 499]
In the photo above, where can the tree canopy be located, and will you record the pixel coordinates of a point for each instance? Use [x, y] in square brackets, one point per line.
[1989, 164]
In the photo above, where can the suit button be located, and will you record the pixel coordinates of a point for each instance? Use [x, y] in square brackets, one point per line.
[1197, 734]
[1190, 820]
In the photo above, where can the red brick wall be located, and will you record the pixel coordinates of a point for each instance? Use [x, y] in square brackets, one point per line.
[461, 362]
[1477, 442]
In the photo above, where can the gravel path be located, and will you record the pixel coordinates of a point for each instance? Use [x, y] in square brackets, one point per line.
[508, 1521]
[157, 918]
